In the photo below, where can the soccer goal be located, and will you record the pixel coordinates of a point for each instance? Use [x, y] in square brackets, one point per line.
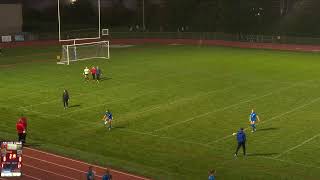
[85, 51]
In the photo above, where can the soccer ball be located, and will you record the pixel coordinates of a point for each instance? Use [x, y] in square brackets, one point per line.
[105, 122]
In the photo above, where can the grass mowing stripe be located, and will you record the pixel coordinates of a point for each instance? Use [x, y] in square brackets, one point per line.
[172, 102]
[297, 146]
[209, 145]
[211, 142]
[128, 84]
[290, 162]
[225, 108]
[275, 117]
[104, 104]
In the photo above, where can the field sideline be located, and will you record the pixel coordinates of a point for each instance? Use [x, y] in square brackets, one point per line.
[175, 108]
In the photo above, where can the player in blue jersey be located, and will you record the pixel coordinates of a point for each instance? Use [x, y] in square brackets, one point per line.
[253, 119]
[212, 175]
[108, 119]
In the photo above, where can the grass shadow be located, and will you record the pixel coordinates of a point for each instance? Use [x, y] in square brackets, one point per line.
[118, 127]
[105, 78]
[73, 106]
[268, 129]
[262, 154]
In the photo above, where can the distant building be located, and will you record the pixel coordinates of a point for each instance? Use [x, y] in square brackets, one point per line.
[11, 20]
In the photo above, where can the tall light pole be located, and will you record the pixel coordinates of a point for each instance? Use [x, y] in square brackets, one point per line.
[143, 21]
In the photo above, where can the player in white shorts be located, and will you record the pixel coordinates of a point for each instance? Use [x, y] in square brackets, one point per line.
[86, 72]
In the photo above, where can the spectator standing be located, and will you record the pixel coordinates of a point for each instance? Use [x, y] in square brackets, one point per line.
[107, 175]
[90, 174]
[98, 73]
[93, 72]
[65, 99]
[241, 139]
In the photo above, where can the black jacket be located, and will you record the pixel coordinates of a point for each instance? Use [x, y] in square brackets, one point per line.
[65, 96]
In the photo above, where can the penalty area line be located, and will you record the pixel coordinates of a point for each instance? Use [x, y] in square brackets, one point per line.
[273, 118]
[297, 146]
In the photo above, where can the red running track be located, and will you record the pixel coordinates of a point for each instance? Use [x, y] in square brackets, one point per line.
[40, 165]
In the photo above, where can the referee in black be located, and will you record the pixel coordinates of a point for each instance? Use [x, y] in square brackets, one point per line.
[241, 139]
[65, 99]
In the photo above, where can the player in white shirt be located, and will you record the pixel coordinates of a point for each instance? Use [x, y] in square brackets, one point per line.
[86, 72]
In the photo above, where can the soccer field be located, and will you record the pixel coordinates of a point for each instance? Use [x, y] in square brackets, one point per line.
[175, 109]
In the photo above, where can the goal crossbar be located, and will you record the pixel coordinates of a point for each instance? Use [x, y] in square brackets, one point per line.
[85, 51]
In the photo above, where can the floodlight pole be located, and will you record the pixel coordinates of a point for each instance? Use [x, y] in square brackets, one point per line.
[59, 20]
[143, 22]
[99, 10]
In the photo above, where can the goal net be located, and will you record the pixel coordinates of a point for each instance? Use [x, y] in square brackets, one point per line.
[85, 51]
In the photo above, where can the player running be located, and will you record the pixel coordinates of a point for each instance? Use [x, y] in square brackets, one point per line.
[253, 119]
[86, 72]
[108, 119]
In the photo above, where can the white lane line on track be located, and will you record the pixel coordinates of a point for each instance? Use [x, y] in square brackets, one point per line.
[87, 164]
[50, 172]
[45, 161]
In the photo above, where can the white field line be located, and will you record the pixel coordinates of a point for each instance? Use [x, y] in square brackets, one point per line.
[159, 106]
[117, 100]
[129, 84]
[45, 161]
[290, 162]
[166, 137]
[104, 104]
[41, 113]
[208, 145]
[274, 117]
[183, 99]
[32, 177]
[220, 139]
[50, 172]
[87, 164]
[19, 95]
[297, 146]
[224, 108]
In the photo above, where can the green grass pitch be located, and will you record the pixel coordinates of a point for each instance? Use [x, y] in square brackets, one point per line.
[175, 108]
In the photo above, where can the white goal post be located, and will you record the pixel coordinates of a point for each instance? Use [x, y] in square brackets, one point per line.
[85, 51]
